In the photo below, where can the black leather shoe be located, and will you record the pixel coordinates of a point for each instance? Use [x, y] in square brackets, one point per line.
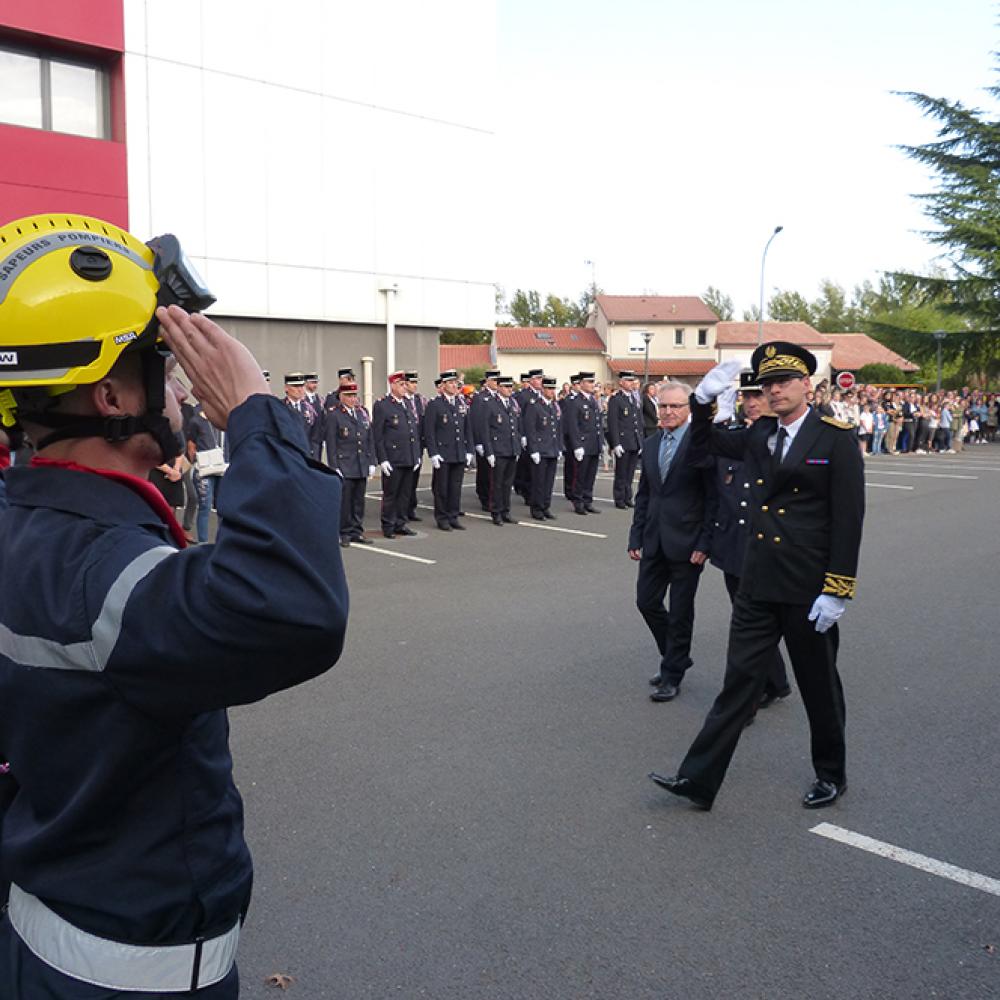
[507, 519]
[629, 503]
[591, 509]
[621, 505]
[444, 526]
[666, 691]
[580, 510]
[770, 697]
[498, 520]
[388, 534]
[549, 516]
[457, 527]
[362, 541]
[345, 543]
[656, 680]
[538, 515]
[461, 513]
[413, 517]
[822, 793]
[406, 531]
[683, 787]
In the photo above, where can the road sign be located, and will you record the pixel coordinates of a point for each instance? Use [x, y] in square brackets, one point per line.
[846, 380]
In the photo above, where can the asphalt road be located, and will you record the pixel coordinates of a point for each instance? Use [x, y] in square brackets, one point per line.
[460, 808]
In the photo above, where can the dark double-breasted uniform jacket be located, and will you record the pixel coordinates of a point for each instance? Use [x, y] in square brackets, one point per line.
[732, 519]
[624, 422]
[805, 513]
[503, 428]
[348, 435]
[312, 424]
[541, 423]
[583, 424]
[448, 429]
[396, 432]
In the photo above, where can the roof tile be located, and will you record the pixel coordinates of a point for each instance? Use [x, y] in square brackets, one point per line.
[655, 309]
[548, 338]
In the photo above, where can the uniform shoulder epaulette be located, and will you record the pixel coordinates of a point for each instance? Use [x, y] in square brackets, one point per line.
[842, 425]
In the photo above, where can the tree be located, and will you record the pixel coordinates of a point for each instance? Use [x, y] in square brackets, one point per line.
[720, 303]
[751, 315]
[789, 307]
[466, 336]
[526, 308]
[880, 373]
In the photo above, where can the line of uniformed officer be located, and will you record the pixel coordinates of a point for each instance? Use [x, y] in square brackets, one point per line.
[501, 445]
[625, 435]
[477, 408]
[447, 431]
[541, 422]
[350, 449]
[531, 389]
[581, 422]
[397, 435]
[312, 418]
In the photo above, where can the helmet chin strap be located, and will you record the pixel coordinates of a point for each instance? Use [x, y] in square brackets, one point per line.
[115, 429]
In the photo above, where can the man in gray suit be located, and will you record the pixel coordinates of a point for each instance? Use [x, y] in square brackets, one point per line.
[671, 533]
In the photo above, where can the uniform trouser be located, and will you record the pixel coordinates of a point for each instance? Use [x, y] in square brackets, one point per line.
[411, 502]
[543, 478]
[582, 475]
[754, 633]
[522, 476]
[25, 977]
[396, 490]
[567, 472]
[671, 629]
[446, 485]
[483, 481]
[501, 481]
[352, 508]
[624, 476]
[777, 676]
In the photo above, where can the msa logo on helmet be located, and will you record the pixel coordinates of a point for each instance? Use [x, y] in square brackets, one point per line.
[125, 338]
[8, 358]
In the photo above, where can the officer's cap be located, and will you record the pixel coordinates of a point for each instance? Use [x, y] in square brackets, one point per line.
[548, 383]
[505, 380]
[312, 377]
[348, 387]
[412, 377]
[492, 373]
[584, 375]
[345, 373]
[781, 359]
[627, 374]
[448, 374]
[295, 378]
[536, 372]
[575, 379]
[525, 376]
[397, 377]
[749, 383]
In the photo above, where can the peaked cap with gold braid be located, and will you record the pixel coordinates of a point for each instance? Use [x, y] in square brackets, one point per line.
[781, 359]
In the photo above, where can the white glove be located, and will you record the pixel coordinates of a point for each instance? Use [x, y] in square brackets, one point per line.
[826, 611]
[479, 449]
[524, 442]
[416, 467]
[492, 459]
[386, 468]
[536, 457]
[436, 461]
[468, 459]
[717, 380]
[619, 451]
[372, 469]
[726, 405]
[578, 454]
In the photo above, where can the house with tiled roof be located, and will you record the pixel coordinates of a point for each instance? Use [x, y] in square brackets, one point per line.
[739, 340]
[852, 351]
[462, 357]
[680, 330]
[559, 351]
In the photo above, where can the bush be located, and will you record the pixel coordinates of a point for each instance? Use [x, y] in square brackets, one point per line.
[882, 373]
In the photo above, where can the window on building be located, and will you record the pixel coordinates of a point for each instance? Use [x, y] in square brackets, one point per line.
[703, 338]
[679, 337]
[41, 91]
[637, 341]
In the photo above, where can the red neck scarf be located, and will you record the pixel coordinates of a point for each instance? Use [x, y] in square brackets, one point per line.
[143, 487]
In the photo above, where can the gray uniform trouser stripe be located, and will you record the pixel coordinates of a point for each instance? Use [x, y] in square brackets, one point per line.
[112, 964]
[33, 651]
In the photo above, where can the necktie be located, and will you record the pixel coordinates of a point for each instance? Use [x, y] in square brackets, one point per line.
[666, 454]
[779, 446]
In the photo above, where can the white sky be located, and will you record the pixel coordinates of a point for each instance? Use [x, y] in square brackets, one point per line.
[665, 140]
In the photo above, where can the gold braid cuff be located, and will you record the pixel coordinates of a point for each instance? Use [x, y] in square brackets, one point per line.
[840, 586]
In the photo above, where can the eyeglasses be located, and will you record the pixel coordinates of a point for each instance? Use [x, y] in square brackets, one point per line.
[672, 406]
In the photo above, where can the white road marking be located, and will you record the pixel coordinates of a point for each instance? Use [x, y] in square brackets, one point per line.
[944, 464]
[920, 475]
[889, 486]
[396, 555]
[920, 861]
[565, 531]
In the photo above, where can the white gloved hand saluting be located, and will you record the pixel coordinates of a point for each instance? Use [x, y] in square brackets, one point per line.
[578, 454]
[492, 460]
[536, 457]
[619, 451]
[386, 468]
[717, 380]
[725, 405]
[436, 461]
[826, 611]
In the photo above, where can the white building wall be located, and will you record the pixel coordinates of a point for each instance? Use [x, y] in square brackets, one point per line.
[309, 152]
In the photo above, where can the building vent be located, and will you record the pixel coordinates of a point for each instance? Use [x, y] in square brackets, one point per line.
[543, 336]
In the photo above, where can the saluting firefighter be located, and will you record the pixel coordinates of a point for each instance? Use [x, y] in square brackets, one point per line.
[583, 438]
[625, 435]
[806, 500]
[417, 404]
[480, 431]
[531, 388]
[350, 449]
[502, 447]
[448, 436]
[396, 433]
[542, 426]
[295, 399]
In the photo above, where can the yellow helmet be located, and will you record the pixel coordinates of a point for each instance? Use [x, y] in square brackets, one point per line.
[75, 293]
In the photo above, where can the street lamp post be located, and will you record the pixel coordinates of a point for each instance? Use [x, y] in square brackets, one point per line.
[939, 335]
[763, 257]
[647, 336]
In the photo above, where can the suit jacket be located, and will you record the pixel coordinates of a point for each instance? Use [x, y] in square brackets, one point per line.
[676, 516]
[650, 416]
[806, 514]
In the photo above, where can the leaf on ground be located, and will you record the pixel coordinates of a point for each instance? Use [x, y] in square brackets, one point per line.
[990, 949]
[279, 980]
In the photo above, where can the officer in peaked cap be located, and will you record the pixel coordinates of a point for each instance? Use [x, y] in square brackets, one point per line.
[530, 391]
[480, 430]
[806, 497]
[542, 428]
[396, 433]
[295, 399]
[448, 435]
[417, 404]
[344, 376]
[502, 447]
[350, 449]
[566, 407]
[625, 436]
[583, 435]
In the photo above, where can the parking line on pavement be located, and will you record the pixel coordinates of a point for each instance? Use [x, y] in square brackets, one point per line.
[396, 555]
[889, 486]
[921, 475]
[565, 531]
[919, 861]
